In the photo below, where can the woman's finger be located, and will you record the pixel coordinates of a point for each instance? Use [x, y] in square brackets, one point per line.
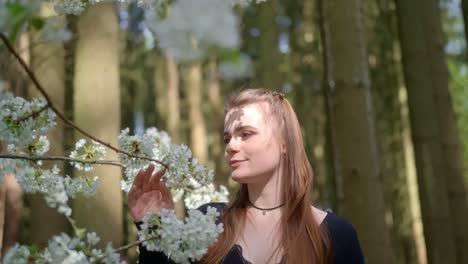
[143, 176]
[155, 179]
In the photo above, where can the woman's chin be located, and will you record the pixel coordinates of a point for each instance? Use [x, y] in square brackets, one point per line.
[241, 178]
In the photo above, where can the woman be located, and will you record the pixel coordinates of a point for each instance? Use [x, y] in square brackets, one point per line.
[270, 219]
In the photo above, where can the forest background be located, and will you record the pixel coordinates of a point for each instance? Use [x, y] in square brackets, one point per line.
[379, 87]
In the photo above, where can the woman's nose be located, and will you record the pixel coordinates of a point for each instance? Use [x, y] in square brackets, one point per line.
[232, 146]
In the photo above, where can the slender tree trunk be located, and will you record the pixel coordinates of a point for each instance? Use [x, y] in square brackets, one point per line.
[173, 98]
[386, 83]
[48, 63]
[215, 127]
[269, 59]
[464, 7]
[419, 31]
[168, 105]
[160, 91]
[450, 139]
[197, 121]
[13, 193]
[308, 95]
[412, 181]
[363, 202]
[97, 110]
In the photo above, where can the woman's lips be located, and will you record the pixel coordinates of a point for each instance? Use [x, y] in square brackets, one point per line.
[235, 162]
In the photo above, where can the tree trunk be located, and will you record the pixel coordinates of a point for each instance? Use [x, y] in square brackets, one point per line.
[386, 83]
[269, 59]
[449, 135]
[464, 7]
[412, 180]
[173, 99]
[197, 121]
[97, 110]
[48, 63]
[419, 31]
[353, 118]
[160, 91]
[215, 127]
[18, 82]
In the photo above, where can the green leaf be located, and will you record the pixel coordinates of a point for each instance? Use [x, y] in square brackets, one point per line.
[18, 19]
[230, 55]
[37, 23]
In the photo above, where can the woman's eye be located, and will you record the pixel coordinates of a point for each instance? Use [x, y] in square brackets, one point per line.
[246, 134]
[226, 140]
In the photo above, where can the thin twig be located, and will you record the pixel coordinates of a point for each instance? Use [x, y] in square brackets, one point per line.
[62, 158]
[134, 244]
[33, 114]
[59, 114]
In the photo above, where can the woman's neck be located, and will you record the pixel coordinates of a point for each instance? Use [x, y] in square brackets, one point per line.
[266, 193]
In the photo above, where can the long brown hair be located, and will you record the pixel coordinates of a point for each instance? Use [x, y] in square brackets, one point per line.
[302, 238]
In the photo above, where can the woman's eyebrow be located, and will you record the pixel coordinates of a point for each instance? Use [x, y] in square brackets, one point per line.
[240, 128]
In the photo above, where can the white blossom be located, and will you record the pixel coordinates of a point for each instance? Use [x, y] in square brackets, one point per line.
[70, 7]
[244, 3]
[15, 127]
[192, 28]
[92, 238]
[17, 255]
[85, 186]
[205, 194]
[182, 241]
[138, 145]
[87, 152]
[151, 4]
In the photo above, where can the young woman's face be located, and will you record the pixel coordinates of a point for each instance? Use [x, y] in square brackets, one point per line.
[252, 148]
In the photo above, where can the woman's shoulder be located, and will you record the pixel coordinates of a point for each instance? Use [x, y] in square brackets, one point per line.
[344, 240]
[338, 226]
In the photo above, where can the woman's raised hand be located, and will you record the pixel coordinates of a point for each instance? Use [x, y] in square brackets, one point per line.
[148, 194]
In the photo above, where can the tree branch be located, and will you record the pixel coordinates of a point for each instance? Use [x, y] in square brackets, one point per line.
[136, 243]
[55, 109]
[62, 158]
[33, 114]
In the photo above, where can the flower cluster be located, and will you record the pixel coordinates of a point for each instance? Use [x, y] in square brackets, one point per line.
[182, 241]
[57, 189]
[206, 194]
[139, 145]
[70, 7]
[22, 121]
[65, 249]
[244, 3]
[76, 7]
[90, 152]
[188, 33]
[38, 146]
[183, 169]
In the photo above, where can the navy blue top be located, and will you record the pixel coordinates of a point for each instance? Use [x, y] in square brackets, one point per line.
[345, 245]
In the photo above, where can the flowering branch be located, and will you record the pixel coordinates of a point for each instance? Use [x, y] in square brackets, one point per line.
[33, 114]
[55, 109]
[136, 243]
[39, 158]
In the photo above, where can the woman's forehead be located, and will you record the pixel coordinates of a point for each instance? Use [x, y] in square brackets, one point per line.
[248, 115]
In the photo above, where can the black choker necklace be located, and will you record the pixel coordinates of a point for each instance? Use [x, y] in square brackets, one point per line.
[264, 210]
